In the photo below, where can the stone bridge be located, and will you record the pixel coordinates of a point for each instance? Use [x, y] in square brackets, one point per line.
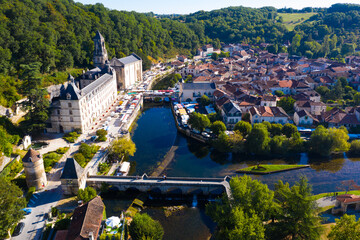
[176, 185]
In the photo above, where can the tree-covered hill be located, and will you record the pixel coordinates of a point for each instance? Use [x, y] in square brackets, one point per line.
[58, 33]
[238, 24]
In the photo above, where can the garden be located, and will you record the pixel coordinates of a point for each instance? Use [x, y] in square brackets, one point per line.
[51, 158]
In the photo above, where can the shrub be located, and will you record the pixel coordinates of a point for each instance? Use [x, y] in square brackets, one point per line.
[71, 137]
[62, 150]
[101, 133]
[80, 159]
[355, 147]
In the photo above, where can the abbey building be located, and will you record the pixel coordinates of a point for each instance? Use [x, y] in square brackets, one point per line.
[79, 102]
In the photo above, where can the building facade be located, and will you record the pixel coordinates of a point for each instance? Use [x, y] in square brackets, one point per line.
[128, 70]
[77, 109]
[80, 102]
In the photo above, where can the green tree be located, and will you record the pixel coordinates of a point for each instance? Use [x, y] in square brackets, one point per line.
[326, 141]
[289, 129]
[287, 103]
[276, 129]
[214, 117]
[355, 147]
[236, 142]
[258, 140]
[122, 147]
[279, 93]
[346, 228]
[215, 56]
[37, 105]
[31, 77]
[86, 194]
[278, 145]
[250, 205]
[243, 127]
[323, 91]
[101, 133]
[297, 212]
[218, 127]
[12, 201]
[198, 121]
[144, 227]
[205, 100]
[357, 98]
[222, 143]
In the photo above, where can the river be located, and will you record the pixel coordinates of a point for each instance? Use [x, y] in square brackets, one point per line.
[156, 133]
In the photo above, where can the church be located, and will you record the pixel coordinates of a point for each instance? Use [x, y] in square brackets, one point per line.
[78, 103]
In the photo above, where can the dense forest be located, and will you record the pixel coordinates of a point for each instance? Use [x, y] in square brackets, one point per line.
[57, 34]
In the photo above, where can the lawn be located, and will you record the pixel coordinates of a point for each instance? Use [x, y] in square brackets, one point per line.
[290, 20]
[51, 158]
[321, 195]
[268, 168]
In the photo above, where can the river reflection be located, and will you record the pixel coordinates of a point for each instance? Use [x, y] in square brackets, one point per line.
[156, 133]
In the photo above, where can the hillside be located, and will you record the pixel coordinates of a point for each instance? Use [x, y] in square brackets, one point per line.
[56, 35]
[291, 20]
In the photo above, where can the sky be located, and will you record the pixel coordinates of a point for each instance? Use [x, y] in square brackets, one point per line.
[190, 6]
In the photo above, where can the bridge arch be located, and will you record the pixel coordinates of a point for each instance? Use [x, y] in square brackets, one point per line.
[216, 191]
[194, 191]
[132, 190]
[174, 190]
[154, 190]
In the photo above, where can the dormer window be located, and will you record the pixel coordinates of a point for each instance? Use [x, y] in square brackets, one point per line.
[68, 96]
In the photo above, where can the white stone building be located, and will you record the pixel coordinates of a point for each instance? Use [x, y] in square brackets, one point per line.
[78, 108]
[80, 102]
[193, 91]
[128, 70]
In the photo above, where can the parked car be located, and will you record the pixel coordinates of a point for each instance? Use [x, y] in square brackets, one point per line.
[18, 229]
[27, 210]
[205, 134]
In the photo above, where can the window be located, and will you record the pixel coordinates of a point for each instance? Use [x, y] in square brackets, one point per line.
[71, 119]
[69, 105]
[70, 112]
[58, 112]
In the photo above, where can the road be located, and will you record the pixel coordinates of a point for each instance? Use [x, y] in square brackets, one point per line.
[40, 204]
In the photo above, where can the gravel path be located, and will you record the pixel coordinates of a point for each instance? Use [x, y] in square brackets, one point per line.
[326, 201]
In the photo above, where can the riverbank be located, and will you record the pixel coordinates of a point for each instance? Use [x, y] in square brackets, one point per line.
[269, 169]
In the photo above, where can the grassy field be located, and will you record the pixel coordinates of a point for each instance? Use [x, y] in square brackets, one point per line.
[268, 168]
[290, 20]
[321, 195]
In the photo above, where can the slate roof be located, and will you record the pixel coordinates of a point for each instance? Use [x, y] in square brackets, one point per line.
[31, 156]
[72, 170]
[231, 107]
[86, 219]
[72, 90]
[198, 86]
[101, 80]
[129, 59]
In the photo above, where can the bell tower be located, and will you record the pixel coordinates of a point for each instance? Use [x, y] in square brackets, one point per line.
[100, 53]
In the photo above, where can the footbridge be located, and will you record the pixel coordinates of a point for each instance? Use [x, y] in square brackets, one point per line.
[166, 185]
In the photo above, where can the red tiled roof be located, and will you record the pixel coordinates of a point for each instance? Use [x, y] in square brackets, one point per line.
[86, 219]
[348, 198]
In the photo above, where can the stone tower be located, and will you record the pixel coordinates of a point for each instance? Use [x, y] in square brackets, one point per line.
[100, 53]
[34, 169]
